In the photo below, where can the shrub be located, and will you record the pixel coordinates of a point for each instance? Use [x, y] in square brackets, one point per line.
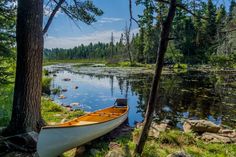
[46, 83]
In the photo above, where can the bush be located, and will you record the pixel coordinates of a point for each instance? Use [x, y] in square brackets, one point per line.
[180, 66]
[224, 61]
[46, 83]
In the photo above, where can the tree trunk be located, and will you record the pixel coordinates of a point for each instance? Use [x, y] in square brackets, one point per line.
[166, 27]
[26, 112]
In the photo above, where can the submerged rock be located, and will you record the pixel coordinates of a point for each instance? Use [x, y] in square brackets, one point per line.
[62, 97]
[64, 90]
[66, 79]
[200, 126]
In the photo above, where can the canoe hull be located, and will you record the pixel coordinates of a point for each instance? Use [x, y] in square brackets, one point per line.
[54, 141]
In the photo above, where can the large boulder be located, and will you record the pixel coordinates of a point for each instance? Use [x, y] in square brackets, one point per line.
[179, 154]
[200, 126]
[218, 138]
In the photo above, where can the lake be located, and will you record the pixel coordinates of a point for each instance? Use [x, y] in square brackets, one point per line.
[183, 95]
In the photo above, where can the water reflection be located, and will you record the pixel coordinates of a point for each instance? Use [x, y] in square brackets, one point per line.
[190, 95]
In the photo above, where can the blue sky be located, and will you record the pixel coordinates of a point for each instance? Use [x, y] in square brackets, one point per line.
[64, 34]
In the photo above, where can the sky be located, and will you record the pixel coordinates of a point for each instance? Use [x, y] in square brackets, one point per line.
[63, 33]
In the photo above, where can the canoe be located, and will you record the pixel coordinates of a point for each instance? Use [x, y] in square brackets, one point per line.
[54, 140]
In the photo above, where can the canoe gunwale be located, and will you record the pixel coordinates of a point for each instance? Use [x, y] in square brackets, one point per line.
[58, 126]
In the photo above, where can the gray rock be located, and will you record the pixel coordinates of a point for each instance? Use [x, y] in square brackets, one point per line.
[200, 126]
[179, 154]
[217, 138]
[118, 152]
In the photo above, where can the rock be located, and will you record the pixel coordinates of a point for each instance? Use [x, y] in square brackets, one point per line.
[64, 90]
[63, 120]
[217, 138]
[116, 153]
[114, 145]
[66, 79]
[200, 126]
[93, 152]
[155, 128]
[74, 104]
[80, 151]
[76, 87]
[179, 154]
[227, 131]
[62, 97]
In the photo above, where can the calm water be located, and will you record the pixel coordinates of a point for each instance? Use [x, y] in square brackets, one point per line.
[191, 94]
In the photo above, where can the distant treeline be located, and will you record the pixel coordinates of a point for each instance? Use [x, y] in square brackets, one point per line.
[208, 35]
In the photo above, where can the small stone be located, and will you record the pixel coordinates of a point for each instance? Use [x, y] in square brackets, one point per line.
[63, 120]
[113, 145]
[118, 152]
[179, 154]
[62, 97]
[76, 87]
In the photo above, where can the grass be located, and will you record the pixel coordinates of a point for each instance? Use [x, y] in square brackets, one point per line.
[51, 112]
[54, 113]
[51, 62]
[169, 142]
[128, 64]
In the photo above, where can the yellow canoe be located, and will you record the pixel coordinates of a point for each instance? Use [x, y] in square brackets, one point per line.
[54, 140]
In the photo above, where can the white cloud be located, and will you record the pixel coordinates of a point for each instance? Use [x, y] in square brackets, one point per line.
[70, 42]
[109, 20]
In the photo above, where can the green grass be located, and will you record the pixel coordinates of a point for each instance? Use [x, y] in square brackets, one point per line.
[169, 142]
[128, 64]
[51, 62]
[54, 113]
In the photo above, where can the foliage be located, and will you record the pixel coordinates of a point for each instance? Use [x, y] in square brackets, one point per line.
[46, 83]
[195, 38]
[7, 40]
[6, 92]
[225, 61]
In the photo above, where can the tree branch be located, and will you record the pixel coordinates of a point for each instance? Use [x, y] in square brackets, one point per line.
[131, 14]
[45, 29]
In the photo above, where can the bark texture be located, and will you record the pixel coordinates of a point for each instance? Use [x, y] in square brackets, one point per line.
[163, 43]
[26, 113]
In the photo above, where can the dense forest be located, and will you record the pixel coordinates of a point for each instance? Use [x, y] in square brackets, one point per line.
[206, 35]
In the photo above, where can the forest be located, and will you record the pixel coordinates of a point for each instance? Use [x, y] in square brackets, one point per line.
[207, 37]
[165, 87]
